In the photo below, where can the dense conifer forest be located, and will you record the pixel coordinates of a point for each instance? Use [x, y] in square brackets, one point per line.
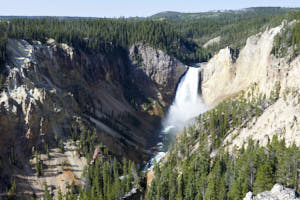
[288, 39]
[181, 37]
[106, 35]
[192, 172]
[252, 168]
[3, 41]
[233, 27]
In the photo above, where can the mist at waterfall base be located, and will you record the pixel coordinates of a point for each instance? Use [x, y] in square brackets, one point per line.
[186, 106]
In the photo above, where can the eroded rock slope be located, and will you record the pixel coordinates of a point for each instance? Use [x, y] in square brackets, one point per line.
[256, 72]
[51, 86]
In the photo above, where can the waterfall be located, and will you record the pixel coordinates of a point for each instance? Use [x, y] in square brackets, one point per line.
[187, 103]
[186, 106]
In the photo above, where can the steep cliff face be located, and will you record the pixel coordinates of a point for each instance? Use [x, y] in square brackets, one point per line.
[156, 73]
[52, 86]
[224, 77]
[49, 86]
[257, 72]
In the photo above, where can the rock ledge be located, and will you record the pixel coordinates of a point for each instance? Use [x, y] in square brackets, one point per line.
[278, 192]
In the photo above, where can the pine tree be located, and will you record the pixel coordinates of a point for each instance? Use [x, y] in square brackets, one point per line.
[179, 195]
[61, 146]
[116, 185]
[59, 194]
[38, 164]
[12, 192]
[222, 189]
[264, 178]
[214, 179]
[47, 195]
[294, 157]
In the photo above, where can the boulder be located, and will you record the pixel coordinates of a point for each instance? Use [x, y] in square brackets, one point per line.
[278, 192]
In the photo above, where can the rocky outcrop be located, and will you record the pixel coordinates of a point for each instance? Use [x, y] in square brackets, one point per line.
[213, 41]
[224, 77]
[278, 192]
[280, 119]
[257, 72]
[156, 70]
[52, 86]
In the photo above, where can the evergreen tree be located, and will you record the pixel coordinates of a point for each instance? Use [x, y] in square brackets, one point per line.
[47, 195]
[59, 194]
[264, 178]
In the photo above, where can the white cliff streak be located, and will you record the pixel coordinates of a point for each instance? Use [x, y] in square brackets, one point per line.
[223, 78]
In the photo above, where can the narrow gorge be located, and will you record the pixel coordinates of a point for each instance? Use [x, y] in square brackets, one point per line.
[51, 97]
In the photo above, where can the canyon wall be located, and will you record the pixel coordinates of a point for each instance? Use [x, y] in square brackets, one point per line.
[50, 87]
[256, 72]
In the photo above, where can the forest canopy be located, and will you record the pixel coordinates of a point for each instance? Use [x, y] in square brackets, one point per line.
[106, 35]
[181, 35]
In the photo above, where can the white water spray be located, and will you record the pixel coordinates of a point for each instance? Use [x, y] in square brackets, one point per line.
[187, 103]
[186, 106]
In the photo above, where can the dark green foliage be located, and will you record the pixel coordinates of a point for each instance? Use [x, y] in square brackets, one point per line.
[198, 176]
[227, 116]
[106, 179]
[264, 177]
[59, 195]
[12, 192]
[234, 27]
[288, 39]
[288, 164]
[47, 150]
[3, 41]
[13, 157]
[38, 164]
[61, 146]
[229, 177]
[106, 35]
[88, 141]
[138, 59]
[47, 194]
[72, 191]
[228, 14]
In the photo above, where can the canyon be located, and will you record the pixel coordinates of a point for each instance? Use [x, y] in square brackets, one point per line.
[257, 72]
[52, 88]
[129, 99]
